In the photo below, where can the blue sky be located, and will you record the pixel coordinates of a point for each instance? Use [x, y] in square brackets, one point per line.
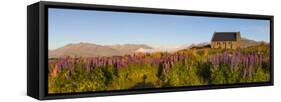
[109, 28]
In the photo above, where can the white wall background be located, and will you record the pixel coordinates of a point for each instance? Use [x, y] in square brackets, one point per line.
[13, 51]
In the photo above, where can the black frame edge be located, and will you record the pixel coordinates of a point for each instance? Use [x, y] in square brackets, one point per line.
[271, 50]
[33, 50]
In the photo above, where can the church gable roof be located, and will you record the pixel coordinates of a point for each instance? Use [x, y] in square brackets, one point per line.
[225, 36]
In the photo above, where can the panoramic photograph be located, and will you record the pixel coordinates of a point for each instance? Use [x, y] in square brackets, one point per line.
[93, 51]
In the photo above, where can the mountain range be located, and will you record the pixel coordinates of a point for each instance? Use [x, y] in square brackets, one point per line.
[90, 49]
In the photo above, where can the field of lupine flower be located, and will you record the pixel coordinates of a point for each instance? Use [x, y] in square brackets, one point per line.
[190, 67]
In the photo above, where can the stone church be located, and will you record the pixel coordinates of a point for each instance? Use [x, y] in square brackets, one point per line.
[226, 40]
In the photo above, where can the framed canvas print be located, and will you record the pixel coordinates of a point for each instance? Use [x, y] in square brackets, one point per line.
[83, 50]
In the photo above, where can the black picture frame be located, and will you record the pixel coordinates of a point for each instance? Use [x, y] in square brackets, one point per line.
[37, 48]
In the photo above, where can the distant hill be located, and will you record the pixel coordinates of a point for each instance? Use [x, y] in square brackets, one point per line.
[162, 48]
[244, 43]
[200, 45]
[90, 50]
[129, 48]
[247, 42]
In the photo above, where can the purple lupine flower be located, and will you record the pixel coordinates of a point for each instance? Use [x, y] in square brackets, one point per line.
[89, 65]
[234, 61]
[251, 65]
[225, 57]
